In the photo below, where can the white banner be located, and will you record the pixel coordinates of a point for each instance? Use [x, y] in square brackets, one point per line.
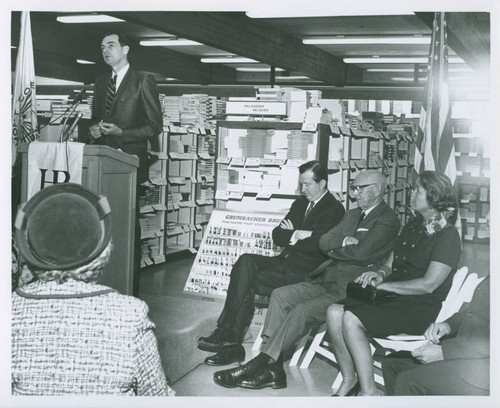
[51, 163]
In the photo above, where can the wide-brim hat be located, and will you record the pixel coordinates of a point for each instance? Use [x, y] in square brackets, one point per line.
[63, 227]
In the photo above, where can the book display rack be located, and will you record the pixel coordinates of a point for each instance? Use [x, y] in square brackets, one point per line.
[473, 170]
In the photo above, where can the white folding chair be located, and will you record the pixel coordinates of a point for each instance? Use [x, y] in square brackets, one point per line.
[459, 293]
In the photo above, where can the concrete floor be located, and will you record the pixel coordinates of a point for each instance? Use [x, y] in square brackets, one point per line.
[317, 380]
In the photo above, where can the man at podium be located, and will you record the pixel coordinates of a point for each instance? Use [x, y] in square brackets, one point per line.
[126, 112]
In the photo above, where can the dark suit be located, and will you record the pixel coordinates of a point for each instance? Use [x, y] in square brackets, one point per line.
[135, 110]
[294, 309]
[465, 367]
[253, 274]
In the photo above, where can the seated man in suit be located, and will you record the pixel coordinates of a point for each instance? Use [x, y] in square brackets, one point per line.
[299, 233]
[458, 365]
[361, 241]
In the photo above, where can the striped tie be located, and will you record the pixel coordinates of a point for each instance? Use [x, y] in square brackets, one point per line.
[111, 92]
[309, 209]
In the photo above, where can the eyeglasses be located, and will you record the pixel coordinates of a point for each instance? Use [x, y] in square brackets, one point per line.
[355, 188]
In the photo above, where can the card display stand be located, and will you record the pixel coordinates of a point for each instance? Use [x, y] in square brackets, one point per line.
[228, 235]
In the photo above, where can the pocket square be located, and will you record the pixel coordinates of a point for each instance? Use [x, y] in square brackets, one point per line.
[362, 230]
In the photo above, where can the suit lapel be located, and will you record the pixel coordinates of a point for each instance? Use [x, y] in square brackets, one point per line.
[121, 89]
[373, 213]
[315, 209]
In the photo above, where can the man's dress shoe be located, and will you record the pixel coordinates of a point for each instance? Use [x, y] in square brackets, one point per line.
[215, 341]
[227, 355]
[272, 375]
[229, 378]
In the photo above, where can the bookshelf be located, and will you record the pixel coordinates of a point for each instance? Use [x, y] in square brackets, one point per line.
[257, 163]
[390, 149]
[190, 181]
[473, 170]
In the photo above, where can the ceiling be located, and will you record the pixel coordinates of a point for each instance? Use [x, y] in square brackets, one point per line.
[273, 42]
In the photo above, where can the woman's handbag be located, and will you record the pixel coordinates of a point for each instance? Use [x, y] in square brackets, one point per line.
[369, 294]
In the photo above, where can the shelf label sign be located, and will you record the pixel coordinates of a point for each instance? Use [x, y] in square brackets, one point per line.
[256, 108]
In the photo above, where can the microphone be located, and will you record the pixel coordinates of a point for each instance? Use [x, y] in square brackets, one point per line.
[72, 108]
[79, 97]
[72, 127]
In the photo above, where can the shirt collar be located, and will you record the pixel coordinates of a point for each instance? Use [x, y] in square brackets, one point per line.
[317, 200]
[370, 209]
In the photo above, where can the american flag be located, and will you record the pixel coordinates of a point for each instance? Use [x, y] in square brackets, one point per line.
[24, 121]
[435, 150]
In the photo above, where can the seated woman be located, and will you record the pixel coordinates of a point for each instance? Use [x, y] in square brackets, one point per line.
[71, 336]
[420, 270]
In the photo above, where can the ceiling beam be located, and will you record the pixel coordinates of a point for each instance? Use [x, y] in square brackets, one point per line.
[236, 33]
[469, 38]
[73, 41]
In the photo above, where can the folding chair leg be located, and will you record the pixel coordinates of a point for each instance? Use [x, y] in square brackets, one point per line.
[258, 341]
[316, 343]
[298, 351]
[337, 382]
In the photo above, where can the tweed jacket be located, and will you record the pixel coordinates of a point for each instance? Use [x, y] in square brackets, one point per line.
[376, 234]
[78, 338]
[136, 110]
[305, 255]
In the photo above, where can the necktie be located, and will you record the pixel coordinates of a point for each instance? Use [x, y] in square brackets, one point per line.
[361, 218]
[309, 209]
[111, 92]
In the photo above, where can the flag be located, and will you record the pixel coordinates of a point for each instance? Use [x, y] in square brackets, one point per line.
[435, 149]
[24, 121]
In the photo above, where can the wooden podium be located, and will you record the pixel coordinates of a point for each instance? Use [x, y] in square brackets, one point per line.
[110, 173]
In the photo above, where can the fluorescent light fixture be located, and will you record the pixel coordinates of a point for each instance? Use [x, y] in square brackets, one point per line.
[257, 69]
[367, 40]
[84, 62]
[12, 46]
[396, 60]
[394, 70]
[88, 18]
[292, 77]
[227, 60]
[171, 79]
[407, 79]
[315, 12]
[168, 43]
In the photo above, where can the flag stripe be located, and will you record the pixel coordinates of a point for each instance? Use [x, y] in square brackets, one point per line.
[435, 149]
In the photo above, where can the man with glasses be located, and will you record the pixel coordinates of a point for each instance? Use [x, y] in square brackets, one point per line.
[360, 242]
[310, 216]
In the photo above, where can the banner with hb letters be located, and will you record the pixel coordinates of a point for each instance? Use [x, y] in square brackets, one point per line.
[52, 162]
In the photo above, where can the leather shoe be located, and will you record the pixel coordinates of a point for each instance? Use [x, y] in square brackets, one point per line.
[227, 355]
[215, 341]
[229, 378]
[353, 391]
[272, 375]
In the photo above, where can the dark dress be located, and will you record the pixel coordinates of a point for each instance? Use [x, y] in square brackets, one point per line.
[413, 252]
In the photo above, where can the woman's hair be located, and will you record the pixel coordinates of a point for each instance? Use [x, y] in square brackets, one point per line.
[86, 273]
[440, 194]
